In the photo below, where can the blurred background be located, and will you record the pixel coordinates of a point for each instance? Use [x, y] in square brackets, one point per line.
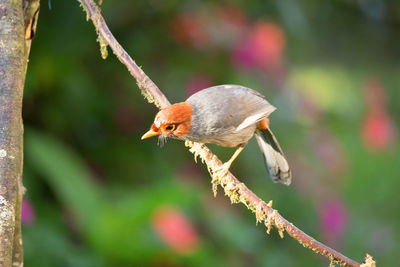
[99, 196]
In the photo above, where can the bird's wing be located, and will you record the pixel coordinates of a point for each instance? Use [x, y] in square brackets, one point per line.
[255, 117]
[228, 108]
[250, 106]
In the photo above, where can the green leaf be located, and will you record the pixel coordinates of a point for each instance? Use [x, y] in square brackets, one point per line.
[65, 172]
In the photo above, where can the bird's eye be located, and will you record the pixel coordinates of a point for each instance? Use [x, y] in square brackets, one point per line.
[170, 127]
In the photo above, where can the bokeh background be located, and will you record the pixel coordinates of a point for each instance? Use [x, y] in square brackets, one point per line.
[99, 196]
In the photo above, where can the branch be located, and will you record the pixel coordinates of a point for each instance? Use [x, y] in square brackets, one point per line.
[237, 191]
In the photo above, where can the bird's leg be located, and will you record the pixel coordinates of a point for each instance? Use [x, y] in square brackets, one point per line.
[221, 171]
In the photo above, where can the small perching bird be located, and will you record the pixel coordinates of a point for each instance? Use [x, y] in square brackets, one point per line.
[226, 115]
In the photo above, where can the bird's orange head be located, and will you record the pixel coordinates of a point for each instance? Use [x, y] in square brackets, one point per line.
[172, 121]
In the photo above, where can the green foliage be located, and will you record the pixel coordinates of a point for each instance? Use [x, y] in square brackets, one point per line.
[97, 191]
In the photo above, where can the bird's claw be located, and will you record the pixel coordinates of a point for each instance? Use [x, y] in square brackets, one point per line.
[222, 170]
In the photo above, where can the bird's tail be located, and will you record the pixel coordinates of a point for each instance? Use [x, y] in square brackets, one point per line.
[275, 160]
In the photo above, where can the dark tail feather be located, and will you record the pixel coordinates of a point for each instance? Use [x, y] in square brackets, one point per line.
[275, 161]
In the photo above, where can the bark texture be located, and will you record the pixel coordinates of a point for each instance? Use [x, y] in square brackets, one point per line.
[17, 27]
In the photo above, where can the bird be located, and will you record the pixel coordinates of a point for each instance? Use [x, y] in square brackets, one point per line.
[226, 115]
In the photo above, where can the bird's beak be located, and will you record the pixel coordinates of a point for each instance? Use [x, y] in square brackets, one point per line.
[150, 133]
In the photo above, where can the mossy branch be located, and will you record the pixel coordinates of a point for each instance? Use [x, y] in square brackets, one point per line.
[237, 191]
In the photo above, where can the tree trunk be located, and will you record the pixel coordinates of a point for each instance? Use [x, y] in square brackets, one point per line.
[17, 26]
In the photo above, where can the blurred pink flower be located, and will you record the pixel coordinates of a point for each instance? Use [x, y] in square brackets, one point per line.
[333, 220]
[175, 229]
[243, 56]
[262, 47]
[196, 83]
[27, 213]
[378, 130]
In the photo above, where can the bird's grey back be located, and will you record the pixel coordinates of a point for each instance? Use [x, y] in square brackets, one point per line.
[222, 109]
